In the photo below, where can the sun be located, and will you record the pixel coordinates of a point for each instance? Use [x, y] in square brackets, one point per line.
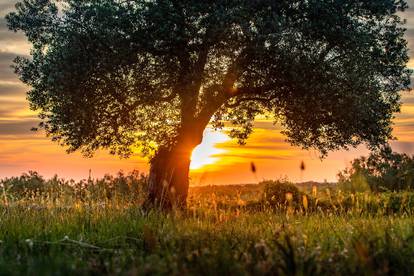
[207, 153]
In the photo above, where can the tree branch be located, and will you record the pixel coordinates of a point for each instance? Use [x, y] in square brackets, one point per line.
[240, 100]
[169, 97]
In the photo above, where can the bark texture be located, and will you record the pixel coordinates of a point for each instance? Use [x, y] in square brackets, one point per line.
[169, 173]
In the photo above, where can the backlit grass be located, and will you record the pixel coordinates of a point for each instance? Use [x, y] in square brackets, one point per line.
[224, 231]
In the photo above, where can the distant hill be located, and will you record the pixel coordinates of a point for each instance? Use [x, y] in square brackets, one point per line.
[252, 190]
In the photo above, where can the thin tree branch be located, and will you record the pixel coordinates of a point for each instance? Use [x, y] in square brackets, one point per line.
[240, 100]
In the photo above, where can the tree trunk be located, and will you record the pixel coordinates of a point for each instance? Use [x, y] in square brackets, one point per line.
[169, 173]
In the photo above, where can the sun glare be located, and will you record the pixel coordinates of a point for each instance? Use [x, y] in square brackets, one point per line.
[206, 153]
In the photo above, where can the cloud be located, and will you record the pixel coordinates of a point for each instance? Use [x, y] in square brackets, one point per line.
[253, 156]
[9, 108]
[11, 41]
[16, 127]
[15, 89]
[9, 35]
[6, 7]
[409, 16]
[6, 71]
[409, 35]
[403, 146]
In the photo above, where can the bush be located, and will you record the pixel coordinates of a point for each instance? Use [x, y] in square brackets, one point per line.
[28, 184]
[278, 193]
[130, 187]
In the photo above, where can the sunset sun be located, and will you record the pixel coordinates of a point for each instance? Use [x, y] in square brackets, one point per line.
[207, 152]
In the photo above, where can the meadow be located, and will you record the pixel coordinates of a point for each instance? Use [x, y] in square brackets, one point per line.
[58, 227]
[148, 78]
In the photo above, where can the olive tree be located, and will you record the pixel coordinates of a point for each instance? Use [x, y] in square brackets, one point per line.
[150, 75]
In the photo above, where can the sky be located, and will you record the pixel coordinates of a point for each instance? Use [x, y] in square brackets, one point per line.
[218, 160]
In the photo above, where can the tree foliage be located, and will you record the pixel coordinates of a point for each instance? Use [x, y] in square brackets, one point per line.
[127, 74]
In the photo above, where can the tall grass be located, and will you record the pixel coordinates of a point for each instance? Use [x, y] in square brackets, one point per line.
[224, 231]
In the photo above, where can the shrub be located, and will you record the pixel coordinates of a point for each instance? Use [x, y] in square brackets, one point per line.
[278, 193]
[27, 184]
[130, 187]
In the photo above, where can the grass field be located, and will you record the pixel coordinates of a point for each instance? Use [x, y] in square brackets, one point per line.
[226, 230]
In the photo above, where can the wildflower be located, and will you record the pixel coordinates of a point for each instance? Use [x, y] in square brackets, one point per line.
[305, 202]
[241, 202]
[29, 242]
[253, 167]
[302, 166]
[314, 191]
[262, 248]
[289, 197]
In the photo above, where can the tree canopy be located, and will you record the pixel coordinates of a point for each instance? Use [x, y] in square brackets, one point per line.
[121, 74]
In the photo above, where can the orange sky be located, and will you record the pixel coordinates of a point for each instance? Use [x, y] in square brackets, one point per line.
[217, 161]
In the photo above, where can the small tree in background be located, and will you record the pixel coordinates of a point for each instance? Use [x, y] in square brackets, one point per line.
[150, 75]
[382, 170]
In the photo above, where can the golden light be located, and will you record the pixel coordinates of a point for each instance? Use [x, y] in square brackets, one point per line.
[233, 90]
[206, 153]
